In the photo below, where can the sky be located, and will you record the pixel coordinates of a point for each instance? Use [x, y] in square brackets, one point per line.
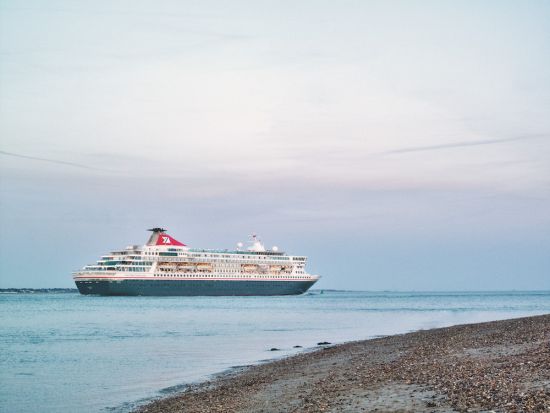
[400, 145]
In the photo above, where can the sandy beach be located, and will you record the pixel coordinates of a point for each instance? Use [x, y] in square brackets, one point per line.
[494, 366]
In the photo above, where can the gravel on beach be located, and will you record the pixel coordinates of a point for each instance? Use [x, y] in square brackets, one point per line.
[501, 366]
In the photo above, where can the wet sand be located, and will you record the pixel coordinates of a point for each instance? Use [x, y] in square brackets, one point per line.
[495, 366]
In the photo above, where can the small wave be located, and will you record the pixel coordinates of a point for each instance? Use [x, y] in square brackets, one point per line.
[174, 389]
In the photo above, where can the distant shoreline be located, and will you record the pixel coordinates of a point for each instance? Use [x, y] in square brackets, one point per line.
[502, 365]
[36, 290]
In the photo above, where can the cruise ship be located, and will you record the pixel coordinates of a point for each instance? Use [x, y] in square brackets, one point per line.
[166, 267]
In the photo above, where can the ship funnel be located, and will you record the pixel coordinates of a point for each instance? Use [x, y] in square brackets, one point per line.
[160, 237]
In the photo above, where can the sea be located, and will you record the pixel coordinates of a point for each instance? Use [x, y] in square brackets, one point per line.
[64, 352]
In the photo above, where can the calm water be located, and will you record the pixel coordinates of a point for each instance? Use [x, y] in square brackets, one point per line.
[67, 352]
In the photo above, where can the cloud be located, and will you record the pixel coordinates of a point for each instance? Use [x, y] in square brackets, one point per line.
[459, 144]
[34, 158]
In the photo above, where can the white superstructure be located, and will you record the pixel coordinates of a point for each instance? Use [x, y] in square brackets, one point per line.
[164, 258]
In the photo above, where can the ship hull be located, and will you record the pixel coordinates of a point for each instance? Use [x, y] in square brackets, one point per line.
[192, 287]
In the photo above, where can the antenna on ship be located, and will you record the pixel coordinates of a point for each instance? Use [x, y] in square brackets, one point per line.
[257, 245]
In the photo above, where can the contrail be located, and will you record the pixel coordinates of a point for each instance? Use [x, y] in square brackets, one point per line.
[34, 158]
[459, 144]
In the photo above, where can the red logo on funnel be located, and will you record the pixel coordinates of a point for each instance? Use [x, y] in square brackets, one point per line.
[165, 239]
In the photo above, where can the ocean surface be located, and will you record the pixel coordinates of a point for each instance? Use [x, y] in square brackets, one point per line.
[67, 352]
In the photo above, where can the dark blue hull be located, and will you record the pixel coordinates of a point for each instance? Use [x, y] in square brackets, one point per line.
[192, 287]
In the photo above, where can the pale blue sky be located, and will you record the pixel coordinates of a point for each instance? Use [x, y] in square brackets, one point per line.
[401, 145]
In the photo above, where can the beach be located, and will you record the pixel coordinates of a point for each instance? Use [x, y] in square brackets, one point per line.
[499, 365]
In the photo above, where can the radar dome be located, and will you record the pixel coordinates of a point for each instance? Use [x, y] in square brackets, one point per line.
[275, 249]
